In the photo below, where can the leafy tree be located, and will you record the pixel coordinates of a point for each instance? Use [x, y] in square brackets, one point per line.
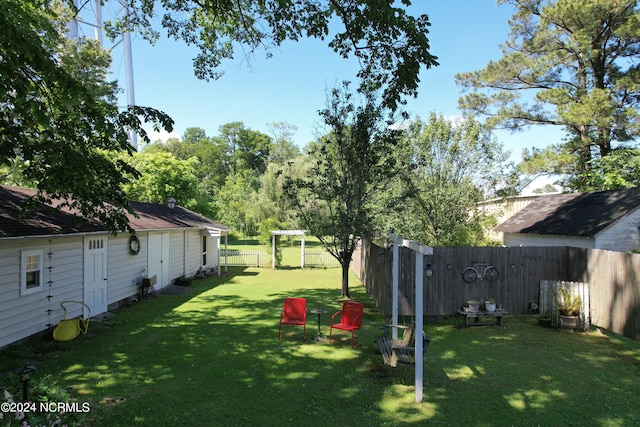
[229, 135]
[234, 201]
[547, 188]
[253, 151]
[456, 165]
[229, 168]
[59, 125]
[163, 176]
[390, 44]
[269, 201]
[210, 167]
[348, 167]
[620, 169]
[567, 63]
[244, 148]
[193, 135]
[266, 238]
[284, 149]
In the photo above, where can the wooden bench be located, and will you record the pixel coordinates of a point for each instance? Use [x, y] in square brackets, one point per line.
[400, 352]
[466, 315]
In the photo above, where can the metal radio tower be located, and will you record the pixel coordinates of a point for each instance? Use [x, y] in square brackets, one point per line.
[96, 24]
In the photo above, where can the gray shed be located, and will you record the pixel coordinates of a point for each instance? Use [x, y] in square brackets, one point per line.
[49, 256]
[597, 220]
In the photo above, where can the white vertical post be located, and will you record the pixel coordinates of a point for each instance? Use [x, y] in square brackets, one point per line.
[128, 65]
[226, 251]
[302, 260]
[97, 6]
[394, 293]
[421, 251]
[273, 251]
[219, 258]
[419, 323]
[72, 26]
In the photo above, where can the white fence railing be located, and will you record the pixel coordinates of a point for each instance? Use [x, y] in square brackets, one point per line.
[246, 258]
[236, 257]
[320, 259]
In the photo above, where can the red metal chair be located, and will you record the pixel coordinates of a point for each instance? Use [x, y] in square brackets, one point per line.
[294, 312]
[350, 319]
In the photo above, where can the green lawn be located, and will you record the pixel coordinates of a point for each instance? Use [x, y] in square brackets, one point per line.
[212, 357]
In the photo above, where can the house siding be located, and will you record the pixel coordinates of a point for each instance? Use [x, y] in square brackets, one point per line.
[62, 244]
[177, 254]
[125, 270]
[192, 252]
[623, 236]
[22, 316]
[213, 253]
[516, 239]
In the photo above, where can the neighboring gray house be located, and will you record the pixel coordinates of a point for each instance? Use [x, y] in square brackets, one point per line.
[49, 256]
[607, 220]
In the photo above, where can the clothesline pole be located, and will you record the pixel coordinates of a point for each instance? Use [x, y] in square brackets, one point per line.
[421, 251]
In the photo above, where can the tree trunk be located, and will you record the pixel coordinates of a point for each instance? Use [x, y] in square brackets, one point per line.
[584, 154]
[345, 276]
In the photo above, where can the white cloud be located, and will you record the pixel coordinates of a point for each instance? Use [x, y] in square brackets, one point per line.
[163, 135]
[455, 120]
[539, 183]
[399, 126]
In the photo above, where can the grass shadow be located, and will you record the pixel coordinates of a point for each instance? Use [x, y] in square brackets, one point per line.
[212, 357]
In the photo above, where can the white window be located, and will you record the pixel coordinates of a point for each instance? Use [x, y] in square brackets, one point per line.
[31, 271]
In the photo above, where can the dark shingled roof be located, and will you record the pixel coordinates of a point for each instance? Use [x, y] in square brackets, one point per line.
[47, 221]
[582, 214]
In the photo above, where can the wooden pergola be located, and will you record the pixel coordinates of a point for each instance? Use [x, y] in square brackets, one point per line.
[275, 233]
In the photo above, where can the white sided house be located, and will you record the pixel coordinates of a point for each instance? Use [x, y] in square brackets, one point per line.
[607, 220]
[49, 256]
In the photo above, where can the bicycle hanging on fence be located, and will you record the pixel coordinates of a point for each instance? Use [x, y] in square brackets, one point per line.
[489, 273]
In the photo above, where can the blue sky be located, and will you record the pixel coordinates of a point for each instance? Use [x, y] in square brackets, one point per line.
[291, 86]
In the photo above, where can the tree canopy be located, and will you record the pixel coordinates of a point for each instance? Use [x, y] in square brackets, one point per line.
[62, 132]
[59, 125]
[568, 63]
[163, 176]
[391, 45]
[451, 167]
[348, 169]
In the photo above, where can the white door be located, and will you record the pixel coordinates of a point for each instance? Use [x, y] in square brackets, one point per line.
[95, 274]
[159, 262]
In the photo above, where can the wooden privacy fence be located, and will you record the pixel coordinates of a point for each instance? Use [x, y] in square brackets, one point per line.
[614, 287]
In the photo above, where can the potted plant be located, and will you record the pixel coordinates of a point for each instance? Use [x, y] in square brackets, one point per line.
[490, 305]
[544, 319]
[569, 307]
[474, 306]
